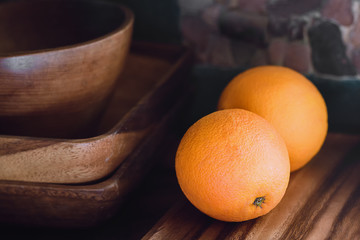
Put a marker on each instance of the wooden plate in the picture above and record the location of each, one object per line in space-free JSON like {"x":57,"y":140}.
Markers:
{"x":38,"y":175}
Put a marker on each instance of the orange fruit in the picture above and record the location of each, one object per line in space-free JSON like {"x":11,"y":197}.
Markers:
{"x":233,"y":165}
{"x":289,"y":101}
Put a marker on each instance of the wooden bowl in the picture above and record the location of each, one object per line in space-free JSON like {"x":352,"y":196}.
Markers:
{"x":59,"y":62}
{"x":135,"y":112}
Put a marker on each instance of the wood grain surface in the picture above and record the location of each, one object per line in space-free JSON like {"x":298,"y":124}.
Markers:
{"x":321,"y":202}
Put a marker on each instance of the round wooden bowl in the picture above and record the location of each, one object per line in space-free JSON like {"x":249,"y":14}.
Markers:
{"x":59,"y":61}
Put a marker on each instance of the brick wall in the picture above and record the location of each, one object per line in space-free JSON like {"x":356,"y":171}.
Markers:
{"x":315,"y":37}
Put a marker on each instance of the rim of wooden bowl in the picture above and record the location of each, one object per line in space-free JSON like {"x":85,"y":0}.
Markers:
{"x":123,"y":26}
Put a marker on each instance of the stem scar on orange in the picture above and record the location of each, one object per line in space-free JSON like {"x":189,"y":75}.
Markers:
{"x":233,"y":165}
{"x":289,"y":101}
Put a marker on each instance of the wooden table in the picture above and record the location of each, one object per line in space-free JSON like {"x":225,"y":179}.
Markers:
{"x":322,"y":202}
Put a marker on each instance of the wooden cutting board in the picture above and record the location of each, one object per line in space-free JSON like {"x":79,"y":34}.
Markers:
{"x":321,"y":202}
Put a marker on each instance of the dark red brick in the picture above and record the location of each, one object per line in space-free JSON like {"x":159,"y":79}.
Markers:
{"x":244,"y":26}
{"x":289,"y":8}
{"x":298,"y":57}
{"x":259,"y":58}
{"x":277,"y":50}
{"x":253,"y":6}
{"x":211,"y":15}
{"x":354,"y":35}
{"x":219,"y":52}
{"x":339,"y":10}
{"x":328,"y":50}
{"x":195,"y":31}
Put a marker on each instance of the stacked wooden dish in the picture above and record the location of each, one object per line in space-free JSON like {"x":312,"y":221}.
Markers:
{"x":47,"y":179}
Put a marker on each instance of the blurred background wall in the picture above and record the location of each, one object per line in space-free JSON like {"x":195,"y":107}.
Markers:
{"x":320,"y":37}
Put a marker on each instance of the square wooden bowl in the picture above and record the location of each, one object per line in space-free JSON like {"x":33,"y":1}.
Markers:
{"x":35,"y":189}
